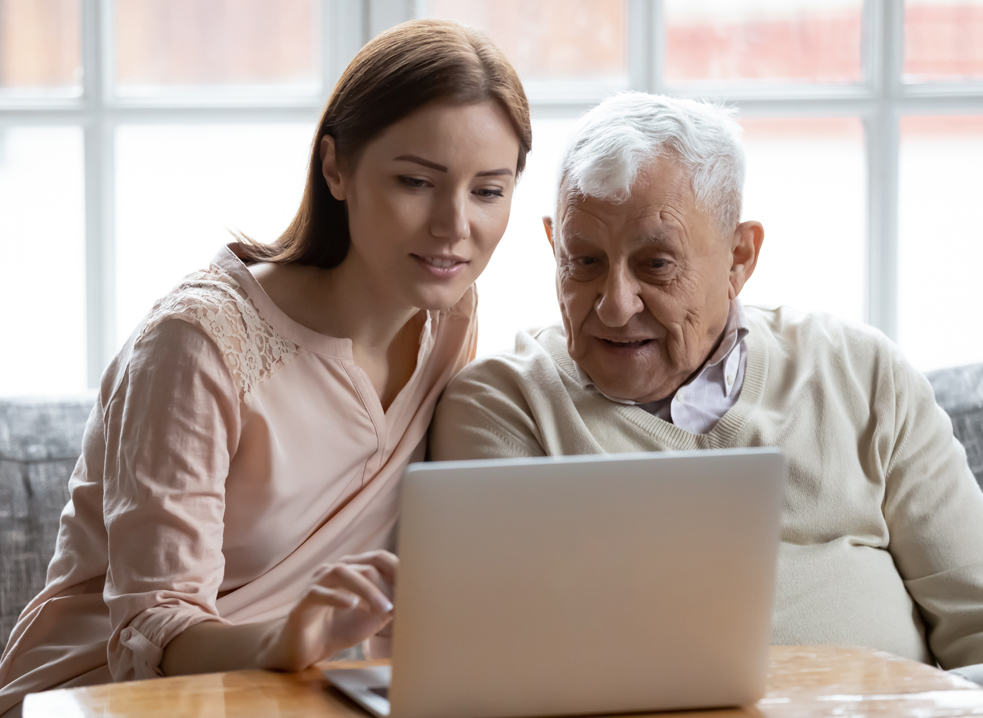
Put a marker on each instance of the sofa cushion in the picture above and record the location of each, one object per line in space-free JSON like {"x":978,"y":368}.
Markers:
{"x":41,"y":429}
{"x":40,"y":441}
{"x":959,"y":391}
{"x":31,"y":500}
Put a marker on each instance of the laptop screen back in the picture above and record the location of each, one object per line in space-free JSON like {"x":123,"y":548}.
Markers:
{"x":580,"y":585}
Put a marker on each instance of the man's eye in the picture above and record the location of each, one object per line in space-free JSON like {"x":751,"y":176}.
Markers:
{"x":584,"y":261}
{"x":658,"y":264}
{"x":414,"y":182}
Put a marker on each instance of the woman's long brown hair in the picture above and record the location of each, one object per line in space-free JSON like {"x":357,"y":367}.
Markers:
{"x":398,"y":72}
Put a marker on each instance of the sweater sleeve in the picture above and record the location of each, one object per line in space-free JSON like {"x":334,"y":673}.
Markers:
{"x":934,"y":511}
{"x":172,"y":426}
{"x":481,"y":415}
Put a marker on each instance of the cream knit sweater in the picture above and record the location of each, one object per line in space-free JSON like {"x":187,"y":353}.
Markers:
{"x":882,"y":533}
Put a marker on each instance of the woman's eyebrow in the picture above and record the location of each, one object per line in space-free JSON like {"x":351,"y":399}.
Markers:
{"x":421,"y":161}
{"x":492,"y":173}
{"x":441,"y":168}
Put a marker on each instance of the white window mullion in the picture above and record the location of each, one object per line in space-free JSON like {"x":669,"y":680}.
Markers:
{"x":99,"y":269}
{"x":344,"y":29}
{"x":882,"y":134}
{"x":384,"y":14}
{"x":329,"y":31}
{"x":644,"y":39}
{"x":658,"y":39}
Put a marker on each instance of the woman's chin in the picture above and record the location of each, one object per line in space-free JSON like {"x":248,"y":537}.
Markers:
{"x":437,"y":299}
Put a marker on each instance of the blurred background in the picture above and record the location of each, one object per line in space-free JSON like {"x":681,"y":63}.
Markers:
{"x":135,"y":133}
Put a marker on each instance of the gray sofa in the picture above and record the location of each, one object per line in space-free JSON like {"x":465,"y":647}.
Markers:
{"x":40,"y":441}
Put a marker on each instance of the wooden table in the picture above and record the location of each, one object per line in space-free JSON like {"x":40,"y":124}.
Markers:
{"x":802,"y":682}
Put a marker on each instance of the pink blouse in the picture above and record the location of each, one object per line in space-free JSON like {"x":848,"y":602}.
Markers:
{"x":231,"y":452}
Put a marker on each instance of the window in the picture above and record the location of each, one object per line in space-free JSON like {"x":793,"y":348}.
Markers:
{"x":830,"y":97}
{"x":134,"y":133}
{"x":940,"y":240}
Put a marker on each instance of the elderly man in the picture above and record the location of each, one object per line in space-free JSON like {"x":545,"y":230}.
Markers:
{"x":882,"y":536}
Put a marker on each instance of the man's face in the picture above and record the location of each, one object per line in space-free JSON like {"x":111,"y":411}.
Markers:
{"x":645,"y":286}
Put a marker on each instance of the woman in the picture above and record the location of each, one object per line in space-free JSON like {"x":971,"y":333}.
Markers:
{"x":237,"y":481}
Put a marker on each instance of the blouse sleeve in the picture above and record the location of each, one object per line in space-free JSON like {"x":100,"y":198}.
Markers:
{"x":172,"y":426}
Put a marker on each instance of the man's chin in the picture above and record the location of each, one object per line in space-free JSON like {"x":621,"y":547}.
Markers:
{"x":617,"y":388}
{"x":627,"y":380}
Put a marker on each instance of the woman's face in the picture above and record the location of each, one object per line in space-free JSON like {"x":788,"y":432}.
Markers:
{"x":428,"y":201}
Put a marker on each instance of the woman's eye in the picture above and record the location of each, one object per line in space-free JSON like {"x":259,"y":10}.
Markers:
{"x":489,"y":192}
{"x":414,"y":182}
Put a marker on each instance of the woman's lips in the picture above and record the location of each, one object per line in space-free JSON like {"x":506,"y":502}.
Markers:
{"x":441,"y":267}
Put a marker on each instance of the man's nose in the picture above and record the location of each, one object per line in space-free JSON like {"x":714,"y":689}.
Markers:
{"x":620,"y":299}
{"x":449,"y":219}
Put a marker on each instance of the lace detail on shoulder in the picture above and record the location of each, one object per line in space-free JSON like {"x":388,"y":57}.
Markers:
{"x":214,"y":301}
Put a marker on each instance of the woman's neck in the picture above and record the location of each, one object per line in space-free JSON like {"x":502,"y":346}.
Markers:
{"x":359,"y":308}
{"x":340,"y":302}
{"x":344,"y":302}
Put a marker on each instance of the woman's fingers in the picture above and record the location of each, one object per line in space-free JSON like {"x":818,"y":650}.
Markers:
{"x":337,"y":598}
{"x":384,"y":562}
{"x":353,"y":579}
{"x":375,"y":576}
{"x":358,"y":589}
{"x":369,"y":572}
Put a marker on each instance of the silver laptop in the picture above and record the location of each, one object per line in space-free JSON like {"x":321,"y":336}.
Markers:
{"x":577,"y":585}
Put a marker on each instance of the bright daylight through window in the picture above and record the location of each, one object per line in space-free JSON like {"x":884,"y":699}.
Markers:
{"x":135,"y":133}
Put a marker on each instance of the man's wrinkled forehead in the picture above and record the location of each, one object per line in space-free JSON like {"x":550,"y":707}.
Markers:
{"x":643,"y":202}
{"x":569,"y":197}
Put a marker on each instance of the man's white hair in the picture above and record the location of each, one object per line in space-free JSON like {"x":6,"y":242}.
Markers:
{"x":624,"y":133}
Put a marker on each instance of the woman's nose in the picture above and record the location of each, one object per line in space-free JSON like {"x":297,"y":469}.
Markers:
{"x":620,"y":298}
{"x":450,"y":219}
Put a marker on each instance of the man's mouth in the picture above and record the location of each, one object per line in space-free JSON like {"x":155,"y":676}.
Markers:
{"x":625,"y":343}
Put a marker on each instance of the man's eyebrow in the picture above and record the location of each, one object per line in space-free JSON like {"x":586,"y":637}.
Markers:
{"x":660,"y":239}
{"x":575,"y":237}
{"x":440,"y":168}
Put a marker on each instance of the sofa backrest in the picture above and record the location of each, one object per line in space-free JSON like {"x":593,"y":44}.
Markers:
{"x":959,"y":391}
{"x":40,"y":441}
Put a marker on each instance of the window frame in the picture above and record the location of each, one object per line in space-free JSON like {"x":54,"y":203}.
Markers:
{"x":345,"y":26}
{"x":880,"y":101}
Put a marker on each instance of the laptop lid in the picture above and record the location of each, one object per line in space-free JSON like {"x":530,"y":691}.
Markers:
{"x":588,"y":584}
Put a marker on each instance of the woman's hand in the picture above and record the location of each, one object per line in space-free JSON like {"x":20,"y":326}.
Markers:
{"x":351,"y":600}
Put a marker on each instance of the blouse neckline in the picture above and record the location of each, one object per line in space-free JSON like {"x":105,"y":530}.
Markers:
{"x":229,"y":260}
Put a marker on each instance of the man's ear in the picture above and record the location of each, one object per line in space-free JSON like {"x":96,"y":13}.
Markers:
{"x":331,"y":170}
{"x":548,"y":226}
{"x":747,"y":246}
